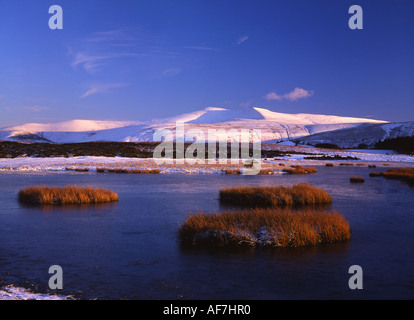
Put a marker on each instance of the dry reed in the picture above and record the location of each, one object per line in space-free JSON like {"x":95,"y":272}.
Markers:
{"x":270,"y":196}
{"x":355,"y":179}
{"x":404,"y":174}
{"x":266,"y":227}
{"x":232,"y":171}
{"x":300,"y":170}
{"x":120,"y":170}
{"x":375,"y":174}
{"x":42,"y":195}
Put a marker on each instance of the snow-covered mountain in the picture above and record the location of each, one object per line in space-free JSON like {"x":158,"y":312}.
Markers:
{"x":274,"y":127}
{"x":365,"y":134}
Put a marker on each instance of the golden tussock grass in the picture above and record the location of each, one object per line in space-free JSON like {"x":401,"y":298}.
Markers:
{"x":375,"y":174}
{"x":232,"y":171}
{"x":120,"y":170}
{"x":150,"y":171}
{"x":267,"y":171}
{"x":355,"y":179}
{"x":77,"y":169}
{"x":404,"y":174}
{"x":300,"y":170}
{"x":43,"y":195}
{"x":346,"y":164}
{"x":270,"y":196}
{"x":266,"y":227}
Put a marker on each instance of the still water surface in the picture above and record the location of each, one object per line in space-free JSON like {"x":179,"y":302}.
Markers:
{"x":130,"y":249}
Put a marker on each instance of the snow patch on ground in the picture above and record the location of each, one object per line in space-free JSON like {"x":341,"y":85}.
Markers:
{"x":12,"y":292}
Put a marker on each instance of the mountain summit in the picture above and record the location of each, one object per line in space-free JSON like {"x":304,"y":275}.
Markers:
{"x":274,"y":127}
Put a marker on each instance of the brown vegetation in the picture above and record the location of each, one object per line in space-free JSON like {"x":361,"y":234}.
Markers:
{"x":232,"y":171}
{"x":266,"y":227}
{"x":300,"y":170}
{"x":120,"y":170}
{"x":355,"y":179}
{"x":375,"y":174}
{"x":404,"y":174}
{"x":83,"y":169}
{"x":43,"y":195}
{"x":329,"y":164}
{"x":270,"y":196}
{"x":267,"y":171}
{"x":11,"y":149}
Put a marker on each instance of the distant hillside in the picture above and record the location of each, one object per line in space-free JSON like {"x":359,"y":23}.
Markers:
{"x":274,"y":126}
{"x":401,"y":144}
{"x":367,"y":134}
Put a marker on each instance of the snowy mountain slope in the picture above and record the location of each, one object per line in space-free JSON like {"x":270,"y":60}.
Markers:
{"x":273,"y":126}
{"x":71,"y":126}
{"x":367,"y":133}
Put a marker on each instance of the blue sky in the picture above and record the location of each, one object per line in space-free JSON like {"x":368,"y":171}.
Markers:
{"x":143,"y":59}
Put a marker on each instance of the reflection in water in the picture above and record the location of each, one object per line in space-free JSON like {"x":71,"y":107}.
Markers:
{"x":83,"y":207}
{"x":275,"y":252}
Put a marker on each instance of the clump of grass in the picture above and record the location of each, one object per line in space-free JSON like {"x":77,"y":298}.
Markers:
{"x":372,"y":166}
{"x":329,"y":164}
{"x":404,"y":174}
{"x":152,"y":171}
{"x":43,"y":195}
{"x":346,"y":164}
{"x":232,"y":171}
{"x":266,"y":227}
{"x":300,"y":170}
{"x":271,"y":196}
{"x":266,"y":171}
{"x":77,"y":169}
{"x":120,"y":170}
{"x":375,"y":174}
{"x":355,"y":179}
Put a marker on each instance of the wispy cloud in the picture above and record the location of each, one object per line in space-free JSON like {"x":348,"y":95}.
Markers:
{"x":201,"y":48}
{"x":170,"y":72}
{"x":296,"y":94}
{"x":89,"y":62}
{"x":98,"y":49}
{"x":273,"y":96}
{"x":36,"y":108}
{"x":92,"y":62}
{"x":242,"y":39}
{"x":118,"y":38}
{"x":101,"y":88}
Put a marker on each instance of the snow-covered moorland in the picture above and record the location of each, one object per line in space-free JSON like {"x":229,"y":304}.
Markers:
{"x":291,"y":155}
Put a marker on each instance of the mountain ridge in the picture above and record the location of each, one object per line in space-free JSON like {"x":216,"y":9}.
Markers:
{"x":274,"y":126}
